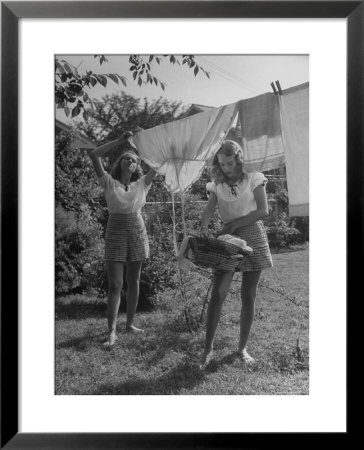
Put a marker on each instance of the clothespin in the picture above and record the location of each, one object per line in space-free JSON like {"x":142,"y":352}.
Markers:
{"x":274,"y":88}
{"x":279,"y":87}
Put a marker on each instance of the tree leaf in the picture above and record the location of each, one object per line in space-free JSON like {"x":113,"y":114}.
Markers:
{"x":67,"y":110}
{"x":140,"y":81}
{"x":59,"y":67}
{"x":102,"y":79}
{"x":135,"y":74}
{"x":195,"y":70}
{"x":76,"y":111}
{"x":67,"y":68}
{"x":113,"y":77}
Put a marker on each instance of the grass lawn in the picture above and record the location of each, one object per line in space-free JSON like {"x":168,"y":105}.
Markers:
{"x":163,"y":360}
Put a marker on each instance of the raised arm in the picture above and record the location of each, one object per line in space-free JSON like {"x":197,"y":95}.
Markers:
{"x":100,"y":151}
{"x":149,"y":176}
{"x":208,"y":212}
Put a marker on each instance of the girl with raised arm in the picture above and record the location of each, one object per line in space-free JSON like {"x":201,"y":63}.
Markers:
{"x":126,"y":239}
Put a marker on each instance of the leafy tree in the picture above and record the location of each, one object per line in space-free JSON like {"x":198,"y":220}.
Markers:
{"x":76,"y":185}
{"x":117,"y":113}
{"x":70,"y":94}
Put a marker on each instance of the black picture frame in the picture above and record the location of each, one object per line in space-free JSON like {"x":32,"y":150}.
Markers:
{"x":11,"y":13}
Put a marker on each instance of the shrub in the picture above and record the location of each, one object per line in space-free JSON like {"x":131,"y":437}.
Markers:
{"x":302,"y":225}
{"x":280,"y":233}
{"x":79,"y":251}
{"x":161,"y":269}
{"x":283,"y":230}
{"x":75,"y":179}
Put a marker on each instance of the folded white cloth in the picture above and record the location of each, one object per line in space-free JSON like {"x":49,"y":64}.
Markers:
{"x":236,"y":241}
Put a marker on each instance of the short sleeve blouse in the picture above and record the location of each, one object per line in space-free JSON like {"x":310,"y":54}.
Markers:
{"x":233,"y":206}
{"x":120,"y":200}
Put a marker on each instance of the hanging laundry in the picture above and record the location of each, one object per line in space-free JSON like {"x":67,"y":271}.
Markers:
{"x":272,"y":130}
{"x":260,"y":133}
{"x":179,"y":150}
{"x":294,"y":105}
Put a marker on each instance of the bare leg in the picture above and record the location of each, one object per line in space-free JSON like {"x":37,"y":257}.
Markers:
{"x":220,"y":289}
{"x":248,"y":294}
{"x":132,"y":296}
{"x":115,"y":272}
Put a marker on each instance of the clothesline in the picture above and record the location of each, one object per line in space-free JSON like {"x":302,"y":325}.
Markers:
{"x":273,"y":133}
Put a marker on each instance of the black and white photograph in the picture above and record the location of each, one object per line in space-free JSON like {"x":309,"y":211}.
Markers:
{"x":181,"y":224}
{"x":181,"y":188}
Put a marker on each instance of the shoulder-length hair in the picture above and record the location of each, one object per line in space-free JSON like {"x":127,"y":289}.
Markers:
{"x":127,"y":149}
{"x":227,"y":148}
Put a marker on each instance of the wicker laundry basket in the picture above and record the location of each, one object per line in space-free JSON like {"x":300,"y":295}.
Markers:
{"x":216,"y":253}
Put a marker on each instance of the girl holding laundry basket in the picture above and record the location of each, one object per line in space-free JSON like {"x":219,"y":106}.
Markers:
{"x":242,"y":204}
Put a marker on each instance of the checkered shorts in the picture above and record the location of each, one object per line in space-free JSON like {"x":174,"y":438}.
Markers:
{"x":256,"y":237}
{"x":126,"y":238}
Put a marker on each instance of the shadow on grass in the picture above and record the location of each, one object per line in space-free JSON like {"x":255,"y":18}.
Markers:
{"x":185,"y":375}
{"x":78,"y":310}
{"x":83,"y":309}
{"x":82,"y":343}
{"x":218,"y":363}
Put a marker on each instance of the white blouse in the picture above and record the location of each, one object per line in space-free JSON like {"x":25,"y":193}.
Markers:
{"x":234,"y":206}
{"x":121,"y":201}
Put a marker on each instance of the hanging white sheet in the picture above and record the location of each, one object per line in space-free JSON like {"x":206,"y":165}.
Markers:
{"x":272,"y":129}
{"x":295,"y":130}
{"x":179,"y":150}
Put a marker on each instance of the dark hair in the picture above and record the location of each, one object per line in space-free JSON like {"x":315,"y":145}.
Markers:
{"x":227,"y":148}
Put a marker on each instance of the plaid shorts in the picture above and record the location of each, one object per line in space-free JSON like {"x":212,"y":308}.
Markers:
{"x":126,"y":238}
{"x":256,"y":237}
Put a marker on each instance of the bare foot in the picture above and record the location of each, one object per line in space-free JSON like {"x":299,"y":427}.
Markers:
{"x":205,"y":359}
{"x":244,"y":355}
{"x":133,"y":329}
{"x":111,"y":340}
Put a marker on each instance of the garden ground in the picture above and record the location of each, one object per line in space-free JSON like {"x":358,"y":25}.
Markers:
{"x":163,"y":360}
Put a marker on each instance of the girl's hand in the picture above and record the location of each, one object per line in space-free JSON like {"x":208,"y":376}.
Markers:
{"x":204,"y":231}
{"x":124,"y":137}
